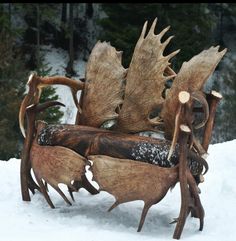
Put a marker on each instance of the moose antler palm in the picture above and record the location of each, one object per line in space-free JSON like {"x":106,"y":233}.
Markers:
{"x":127,"y":99}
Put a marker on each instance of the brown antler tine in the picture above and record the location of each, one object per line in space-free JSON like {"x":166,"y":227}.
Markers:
{"x":62,"y":194}
{"x":44,"y":106}
{"x":61,"y":80}
{"x":43,"y":190}
{"x":198,"y":158}
{"x":114,"y":205}
{"x":74,"y":95}
{"x":143,"y":216}
{"x":198,"y":95}
{"x":36,"y":83}
{"x":194,"y":191}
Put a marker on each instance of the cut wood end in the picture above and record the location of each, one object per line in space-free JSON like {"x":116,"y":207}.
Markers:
{"x":184,"y":97}
{"x":202,"y":179}
{"x":185,"y":128}
{"x":216,"y":94}
{"x":204,"y":156}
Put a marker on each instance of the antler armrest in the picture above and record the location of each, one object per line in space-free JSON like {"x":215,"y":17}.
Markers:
{"x":213,"y":101}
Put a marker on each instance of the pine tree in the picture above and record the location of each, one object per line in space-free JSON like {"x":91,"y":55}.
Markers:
{"x":40,"y":14}
{"x":53,"y":114}
{"x":13,"y":77}
{"x":12,"y":72}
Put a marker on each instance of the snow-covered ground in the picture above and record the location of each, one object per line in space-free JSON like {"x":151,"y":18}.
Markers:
{"x":57,"y":59}
{"x":88,"y":220}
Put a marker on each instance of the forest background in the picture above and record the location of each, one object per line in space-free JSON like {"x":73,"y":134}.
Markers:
{"x":25,"y":28}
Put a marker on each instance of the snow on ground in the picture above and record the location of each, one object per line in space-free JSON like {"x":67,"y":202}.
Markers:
{"x":57,"y":59}
{"x":89,"y":220}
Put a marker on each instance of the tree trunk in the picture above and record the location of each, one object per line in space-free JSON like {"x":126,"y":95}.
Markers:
{"x":64,"y":13}
{"x":37,"y":36}
{"x":69,"y":69}
{"x":89,"y":10}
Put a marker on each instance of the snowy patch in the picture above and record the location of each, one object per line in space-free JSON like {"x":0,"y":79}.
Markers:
{"x":88,"y":218}
{"x":57,"y":59}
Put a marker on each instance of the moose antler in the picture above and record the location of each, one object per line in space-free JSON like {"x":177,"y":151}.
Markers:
{"x":147,"y":74}
{"x":27,"y":181}
{"x":55,"y":164}
{"x":191,"y":77}
{"x":104,"y":85}
{"x":36,"y":83}
{"x":122,"y":178}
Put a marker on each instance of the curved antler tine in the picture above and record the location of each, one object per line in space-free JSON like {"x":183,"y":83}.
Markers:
{"x":27,"y":99}
{"x":60,"y":80}
{"x":164,"y":44}
{"x":74,"y":95}
{"x":200,"y":159}
{"x":197,"y":95}
{"x":152,"y":29}
{"x":223,"y":52}
{"x":32,"y":97}
{"x":161,"y":34}
{"x":42,"y":107}
{"x":144,"y":30}
{"x":172,"y":54}
{"x":169,"y":71}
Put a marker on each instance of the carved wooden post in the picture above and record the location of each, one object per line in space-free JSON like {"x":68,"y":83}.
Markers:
{"x":213,"y":100}
{"x":183,"y":142}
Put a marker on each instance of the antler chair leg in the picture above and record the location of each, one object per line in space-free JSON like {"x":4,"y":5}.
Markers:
{"x":27,"y":181}
{"x":185,"y":195}
{"x":198,"y":209}
{"x":25,"y":175}
{"x":84,"y":183}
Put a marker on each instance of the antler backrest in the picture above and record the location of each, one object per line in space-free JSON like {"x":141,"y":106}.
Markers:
{"x":147,"y":74}
{"x":104,"y":86}
{"x":191,"y":77}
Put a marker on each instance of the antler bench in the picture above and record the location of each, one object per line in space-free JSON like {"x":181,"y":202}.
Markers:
{"x":115,"y":105}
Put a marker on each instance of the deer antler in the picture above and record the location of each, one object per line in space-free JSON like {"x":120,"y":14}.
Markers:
{"x":104,"y":86}
{"x":36,"y":83}
{"x":191,"y":77}
{"x":147,"y":74}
